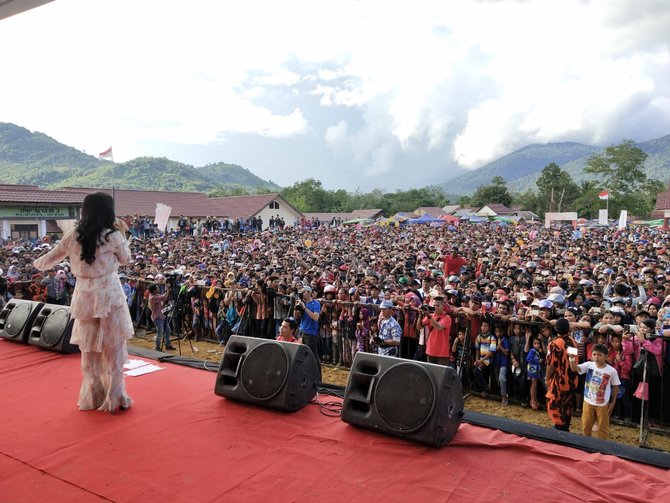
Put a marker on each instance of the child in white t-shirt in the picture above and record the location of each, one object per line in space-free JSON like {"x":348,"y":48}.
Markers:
{"x":601,"y":387}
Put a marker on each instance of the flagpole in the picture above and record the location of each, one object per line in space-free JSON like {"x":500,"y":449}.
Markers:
{"x":109,"y":154}
{"x":111,"y":158}
{"x":607,"y":205}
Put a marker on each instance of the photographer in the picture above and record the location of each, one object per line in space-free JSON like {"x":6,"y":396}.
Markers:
{"x":156,"y":302}
{"x":438,"y":346}
{"x":309,"y":320}
{"x":649,"y":346}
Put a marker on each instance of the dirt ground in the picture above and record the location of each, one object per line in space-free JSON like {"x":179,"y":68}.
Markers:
{"x":338,"y":376}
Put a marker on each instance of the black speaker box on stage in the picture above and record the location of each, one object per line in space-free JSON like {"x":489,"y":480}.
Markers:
{"x":417,"y":401}
{"x":52,"y":329}
{"x":16,"y":318}
{"x":279,"y":375}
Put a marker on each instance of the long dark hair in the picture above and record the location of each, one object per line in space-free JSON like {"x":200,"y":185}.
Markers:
{"x":97,"y":215}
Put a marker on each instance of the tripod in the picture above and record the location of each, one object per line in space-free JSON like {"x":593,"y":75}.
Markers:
{"x":174,"y":318}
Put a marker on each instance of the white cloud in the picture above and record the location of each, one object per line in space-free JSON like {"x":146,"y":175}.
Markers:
{"x":335,"y":135}
{"x":280,"y":78}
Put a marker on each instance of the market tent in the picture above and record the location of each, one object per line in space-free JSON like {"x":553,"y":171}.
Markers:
{"x":425,"y":219}
{"x":449,"y":218}
{"x":506,"y":218}
{"x":388,"y":221}
{"x":474,"y":218}
{"x":402,"y":216}
{"x":362,"y":221}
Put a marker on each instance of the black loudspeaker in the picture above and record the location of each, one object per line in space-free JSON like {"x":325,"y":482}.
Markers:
{"x":16,"y":318}
{"x":52,"y":329}
{"x":280,"y":375}
{"x":417,"y":401}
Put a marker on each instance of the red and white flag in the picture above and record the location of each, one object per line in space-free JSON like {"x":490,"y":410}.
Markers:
{"x":107,"y":154}
{"x":604,"y":195}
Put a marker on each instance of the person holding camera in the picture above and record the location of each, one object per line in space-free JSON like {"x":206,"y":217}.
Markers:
{"x":309,"y":320}
{"x":647,"y":341}
{"x":438,"y":346}
{"x":156,"y":303}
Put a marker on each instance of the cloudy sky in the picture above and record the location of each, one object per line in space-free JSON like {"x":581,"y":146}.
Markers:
{"x":356,"y":93}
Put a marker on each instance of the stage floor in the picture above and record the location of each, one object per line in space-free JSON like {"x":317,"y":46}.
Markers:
{"x":181,"y":442}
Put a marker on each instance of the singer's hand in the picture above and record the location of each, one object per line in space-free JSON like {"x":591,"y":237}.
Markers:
{"x":121,"y":226}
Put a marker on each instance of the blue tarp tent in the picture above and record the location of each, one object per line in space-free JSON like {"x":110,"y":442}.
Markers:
{"x":425,"y":219}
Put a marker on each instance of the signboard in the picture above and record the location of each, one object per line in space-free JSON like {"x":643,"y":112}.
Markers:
{"x":162,"y":216}
{"x":602,"y":217}
{"x":622,"y":219}
{"x":36,"y":212}
{"x":570,"y":216}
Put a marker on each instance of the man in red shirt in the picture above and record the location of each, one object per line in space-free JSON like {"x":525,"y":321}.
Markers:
{"x":453,"y":263}
{"x":438,"y":347}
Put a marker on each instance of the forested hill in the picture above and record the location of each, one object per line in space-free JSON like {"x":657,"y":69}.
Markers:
{"x":33,"y":158}
{"x":521,"y":168}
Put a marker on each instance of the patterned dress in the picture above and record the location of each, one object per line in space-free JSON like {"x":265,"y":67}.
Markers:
{"x":102,"y":323}
{"x":563,"y":384}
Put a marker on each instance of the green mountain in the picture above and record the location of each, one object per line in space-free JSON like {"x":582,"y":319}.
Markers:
{"x":234,"y":175}
{"x":36,"y":159}
{"x":526,"y":162}
{"x":522,"y":168}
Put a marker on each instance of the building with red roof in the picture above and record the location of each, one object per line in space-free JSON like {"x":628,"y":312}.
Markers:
{"x":30,"y":212}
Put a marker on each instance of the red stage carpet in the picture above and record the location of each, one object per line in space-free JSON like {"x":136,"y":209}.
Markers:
{"x":183,"y":443}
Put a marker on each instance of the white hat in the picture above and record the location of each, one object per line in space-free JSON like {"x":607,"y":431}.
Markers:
{"x":556,"y":298}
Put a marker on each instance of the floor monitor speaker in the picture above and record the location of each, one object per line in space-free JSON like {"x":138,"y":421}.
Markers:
{"x":16,"y":318}
{"x":52,"y":329}
{"x":417,"y":401}
{"x":279,"y":375}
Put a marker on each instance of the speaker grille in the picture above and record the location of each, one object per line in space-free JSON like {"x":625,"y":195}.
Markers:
{"x":54,"y":326}
{"x":264,"y":371}
{"x":17,"y":318}
{"x":405,"y":397}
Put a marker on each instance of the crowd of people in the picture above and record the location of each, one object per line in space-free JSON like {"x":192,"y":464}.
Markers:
{"x":490,"y":299}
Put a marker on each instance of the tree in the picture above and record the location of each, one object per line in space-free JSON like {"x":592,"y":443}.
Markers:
{"x":230,"y":191}
{"x":307,"y":195}
{"x":465,"y":201}
{"x":310,"y":196}
{"x":621,"y":173}
{"x":496,"y":192}
{"x":528,"y":201}
{"x":556,"y":190}
{"x":587,"y":203}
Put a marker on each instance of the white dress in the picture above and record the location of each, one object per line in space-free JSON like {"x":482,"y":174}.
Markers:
{"x":102,"y":323}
